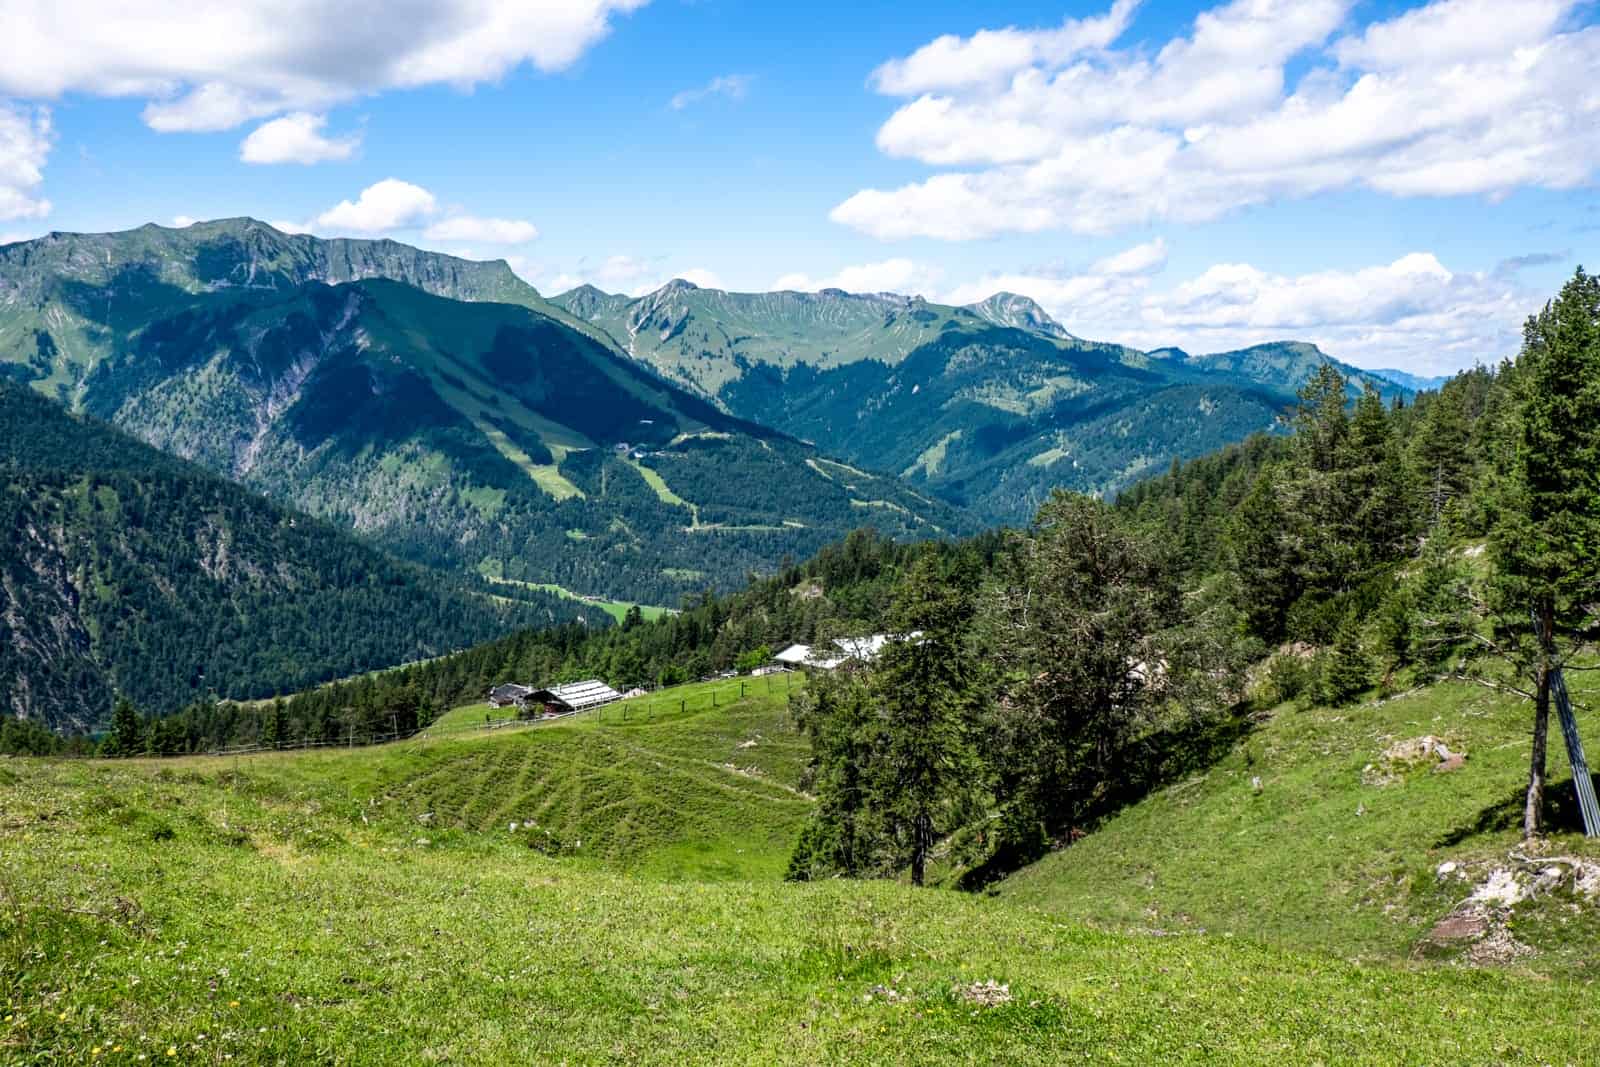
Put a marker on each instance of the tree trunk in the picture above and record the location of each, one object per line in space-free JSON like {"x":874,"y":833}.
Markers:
{"x":919,"y":850}
{"x":1533,"y":813}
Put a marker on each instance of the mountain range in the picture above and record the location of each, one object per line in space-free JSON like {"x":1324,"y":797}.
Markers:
{"x":437,"y":406}
{"x":989,"y":406}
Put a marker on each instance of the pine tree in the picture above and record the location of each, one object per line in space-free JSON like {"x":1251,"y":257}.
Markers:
{"x":1259,"y":554}
{"x":126,"y":736}
{"x":1376,"y":484}
{"x":1347,"y":672}
{"x":275,"y":726}
{"x":1082,"y":629}
{"x":924,"y":687}
{"x":1547,"y":538}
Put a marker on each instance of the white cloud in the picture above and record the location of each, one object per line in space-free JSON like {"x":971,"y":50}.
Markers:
{"x":214,"y":66}
{"x":704,"y":277}
{"x":731,"y":86}
{"x":990,"y":56}
{"x":625,"y":274}
{"x":183,"y":222}
{"x":904,"y":276}
{"x":25,"y":139}
{"x":387,"y":205}
{"x":289,"y":226}
{"x":1455,"y":97}
{"x":296,"y":138}
{"x":1147,"y":258}
{"x":482,"y":230}
{"x":1413,"y":313}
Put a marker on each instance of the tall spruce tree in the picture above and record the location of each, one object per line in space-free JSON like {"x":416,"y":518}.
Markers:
{"x":1547,"y":537}
{"x":925,"y":689}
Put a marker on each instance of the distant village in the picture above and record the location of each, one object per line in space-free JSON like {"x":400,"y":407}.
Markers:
{"x":569,"y":698}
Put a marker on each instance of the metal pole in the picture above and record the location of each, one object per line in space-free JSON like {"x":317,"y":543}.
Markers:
{"x":1581,"y":780}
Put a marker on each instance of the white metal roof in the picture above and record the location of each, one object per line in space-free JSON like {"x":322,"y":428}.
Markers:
{"x":580,"y":695}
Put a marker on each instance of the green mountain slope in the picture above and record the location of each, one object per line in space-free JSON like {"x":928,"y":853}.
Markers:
{"x":463,"y":424}
{"x":127,"y":571}
{"x":990,"y":405}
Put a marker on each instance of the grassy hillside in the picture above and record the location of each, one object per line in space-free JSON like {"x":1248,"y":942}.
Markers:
{"x":376,"y":905}
{"x":1307,"y":835}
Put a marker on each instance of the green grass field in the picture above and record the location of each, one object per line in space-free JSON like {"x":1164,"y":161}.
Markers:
{"x":617,"y":609}
{"x":1337,"y":850}
{"x":607,"y":891}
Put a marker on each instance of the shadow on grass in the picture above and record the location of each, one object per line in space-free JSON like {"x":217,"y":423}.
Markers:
{"x":1146,"y":765}
{"x":1561,"y":815}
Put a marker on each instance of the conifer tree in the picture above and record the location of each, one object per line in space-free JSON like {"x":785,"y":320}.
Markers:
{"x":1080,"y":628}
{"x":1547,"y":538}
{"x":126,"y":736}
{"x":1347,"y":672}
{"x":924,"y":687}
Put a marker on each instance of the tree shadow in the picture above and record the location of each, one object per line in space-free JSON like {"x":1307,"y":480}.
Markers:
{"x":1150,"y":763}
{"x":1561,"y":814}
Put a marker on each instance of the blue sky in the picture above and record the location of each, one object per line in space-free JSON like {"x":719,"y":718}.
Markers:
{"x":1398,"y":182}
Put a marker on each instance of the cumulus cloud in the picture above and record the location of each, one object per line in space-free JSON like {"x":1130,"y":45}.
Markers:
{"x":1051,"y":129}
{"x":25,"y":139}
{"x":296,"y":138}
{"x":905,"y":276}
{"x":472,"y":228}
{"x":990,"y":56}
{"x":383,"y":206}
{"x":731,"y":86}
{"x":214,"y":66}
{"x":1147,"y":258}
{"x":1413,"y":313}
{"x":632,"y":275}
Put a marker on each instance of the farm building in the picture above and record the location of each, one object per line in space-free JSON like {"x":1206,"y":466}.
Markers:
{"x":509,"y":694}
{"x":845,"y":650}
{"x":573,"y":696}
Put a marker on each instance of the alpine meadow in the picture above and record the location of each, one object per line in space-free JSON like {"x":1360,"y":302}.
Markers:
{"x":621,"y":532}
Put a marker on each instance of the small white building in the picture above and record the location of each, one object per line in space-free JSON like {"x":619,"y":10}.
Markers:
{"x":860,"y":650}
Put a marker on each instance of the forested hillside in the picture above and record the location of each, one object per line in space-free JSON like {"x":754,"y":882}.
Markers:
{"x":991,"y":406}
{"x":128,"y":572}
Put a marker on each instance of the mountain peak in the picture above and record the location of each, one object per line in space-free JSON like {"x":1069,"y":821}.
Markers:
{"x":1019,"y":312}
